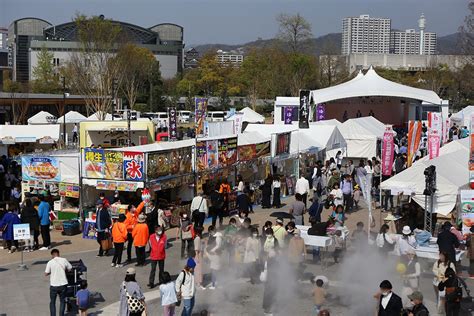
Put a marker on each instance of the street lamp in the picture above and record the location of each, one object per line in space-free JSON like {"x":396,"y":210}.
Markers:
{"x":63,"y":79}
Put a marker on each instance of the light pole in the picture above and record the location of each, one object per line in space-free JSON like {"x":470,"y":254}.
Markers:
{"x":114,"y":95}
{"x":63,"y":79}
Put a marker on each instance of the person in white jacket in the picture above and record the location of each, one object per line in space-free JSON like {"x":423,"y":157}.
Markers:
{"x":213,"y":252}
{"x":186,"y":288}
{"x":253,"y":247}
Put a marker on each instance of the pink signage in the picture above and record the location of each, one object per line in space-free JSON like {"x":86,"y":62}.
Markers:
{"x":433,"y":143}
{"x":387,"y":151}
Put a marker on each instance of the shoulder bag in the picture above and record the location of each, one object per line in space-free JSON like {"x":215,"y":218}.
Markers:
{"x":134,"y":304}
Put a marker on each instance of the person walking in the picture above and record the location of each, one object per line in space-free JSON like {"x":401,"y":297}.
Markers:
{"x":225,"y":190}
{"x":411,"y":277}
{"x":252,"y":252}
{"x":29,"y":215}
{"x":185,"y":233}
{"x":185,"y":287}
{"x":470,"y":245}
{"x":56,"y":270}
{"x":439,"y":271}
{"x":199,"y":210}
{"x":390,"y":304}
{"x":102,"y":224}
{"x":140,"y":238}
{"x":418,"y":308}
{"x":243,"y":202}
{"x":6,"y":223}
{"x":198,"y":257}
{"x":43,"y":213}
{"x":297,"y":209}
{"x":279,"y":232}
{"x":276,"y":184}
{"x":361,"y":174}
{"x":132,"y":300}
{"x":383,"y":241}
{"x":448,"y":242}
{"x":406,"y":241}
{"x":158,"y":241}
{"x":168,"y":295}
{"x":302,"y":187}
{"x":119,"y":236}
{"x":217,"y":203}
{"x":453,"y":292}
{"x":297,"y":253}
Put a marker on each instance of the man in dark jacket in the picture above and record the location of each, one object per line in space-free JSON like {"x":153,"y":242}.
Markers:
{"x":151,"y":217}
{"x":103,"y":223}
{"x":390,"y":304}
{"x":418,"y":308}
{"x":448,"y":242}
{"x":217,"y":203}
{"x":30,"y":216}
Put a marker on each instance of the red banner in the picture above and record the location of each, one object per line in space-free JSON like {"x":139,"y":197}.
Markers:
{"x":414,"y":137}
{"x":387,"y":151}
{"x":433,"y":143}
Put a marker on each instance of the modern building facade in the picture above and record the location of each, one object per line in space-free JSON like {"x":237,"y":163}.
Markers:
{"x":233,"y":57}
{"x":408,"y":42}
{"x":364,"y":34}
{"x":3,"y":37}
{"x":28,"y":36}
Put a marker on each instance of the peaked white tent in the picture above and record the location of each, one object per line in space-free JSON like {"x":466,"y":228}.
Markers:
{"x":41,"y":118}
{"x":371,"y":84}
{"x":97,"y":116}
{"x":463,"y":117}
{"x":250,"y":116}
{"x":331,"y":122}
{"x":72,"y":117}
{"x":452,"y":174}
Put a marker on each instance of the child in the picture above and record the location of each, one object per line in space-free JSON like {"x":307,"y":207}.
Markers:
{"x":356,"y":196}
{"x":83,"y":298}
{"x":319,"y":295}
{"x":338,"y":244}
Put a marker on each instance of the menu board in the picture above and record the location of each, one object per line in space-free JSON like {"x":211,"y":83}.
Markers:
{"x":253,"y":151}
{"x":69,"y":190}
{"x":94,"y":163}
{"x":114,"y":165}
{"x":175,"y":162}
{"x":40,"y":168}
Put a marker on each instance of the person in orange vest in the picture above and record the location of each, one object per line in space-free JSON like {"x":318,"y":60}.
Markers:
{"x":130,"y":222}
{"x":225,"y":191}
{"x":140,"y":236}
{"x":119,"y":236}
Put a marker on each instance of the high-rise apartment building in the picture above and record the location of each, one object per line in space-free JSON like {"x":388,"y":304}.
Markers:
{"x":412,"y":42}
{"x":3,"y":37}
{"x":364,"y":34}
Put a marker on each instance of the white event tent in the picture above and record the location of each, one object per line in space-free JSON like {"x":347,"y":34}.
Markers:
{"x":452,"y":174}
{"x":98,"y":115}
{"x":72,"y":117}
{"x":463,"y":117}
{"x":41,"y":118}
{"x":249,"y":116}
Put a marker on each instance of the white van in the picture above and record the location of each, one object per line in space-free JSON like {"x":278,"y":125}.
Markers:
{"x":161,"y":119}
{"x":185,"y":116}
{"x":216,"y":116}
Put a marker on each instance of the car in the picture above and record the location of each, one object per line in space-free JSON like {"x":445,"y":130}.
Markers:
{"x":215,"y":116}
{"x":185,"y":116}
{"x":161,"y":119}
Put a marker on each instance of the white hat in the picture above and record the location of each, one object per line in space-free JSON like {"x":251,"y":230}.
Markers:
{"x":406,"y":230}
{"x":131,"y":271}
{"x":141,"y":218}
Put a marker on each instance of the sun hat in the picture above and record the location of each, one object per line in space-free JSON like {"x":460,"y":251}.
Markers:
{"x":141,"y":218}
{"x":417,"y":295}
{"x":279,"y":220}
{"x":130,"y":271}
{"x":406,"y":230}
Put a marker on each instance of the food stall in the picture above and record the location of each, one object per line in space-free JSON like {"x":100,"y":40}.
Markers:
{"x":22,"y":139}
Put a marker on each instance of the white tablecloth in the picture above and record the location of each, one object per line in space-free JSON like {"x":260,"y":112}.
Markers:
{"x":432,"y":251}
{"x":310,"y":240}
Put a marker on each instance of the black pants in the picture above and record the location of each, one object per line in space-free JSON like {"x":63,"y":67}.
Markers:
{"x":45,"y":235}
{"x":11,"y":243}
{"x":118,"y":246}
{"x":55,"y":291}
{"x":452,"y":309}
{"x":276,"y":197}
{"x":129,"y":246}
{"x":347,"y":201}
{"x":305,"y":198}
{"x":161,"y":266}
{"x":216,"y":212}
{"x":101,"y":236}
{"x":36,"y":234}
{"x":189,"y":248}
{"x":199,"y":218}
{"x":140,"y":252}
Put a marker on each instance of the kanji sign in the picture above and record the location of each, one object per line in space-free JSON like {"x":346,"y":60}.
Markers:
{"x":133,"y":166}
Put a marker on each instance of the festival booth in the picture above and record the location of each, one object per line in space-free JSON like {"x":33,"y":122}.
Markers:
{"x":463,"y":117}
{"x":56,"y":173}
{"x":17,"y":139}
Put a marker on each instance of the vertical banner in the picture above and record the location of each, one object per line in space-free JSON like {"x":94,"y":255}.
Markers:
{"x":288,"y":115}
{"x":467,"y":211}
{"x":238,"y":122}
{"x":321,"y":112}
{"x":435,"y":121}
{"x":304,"y":109}
{"x":414,"y":137}
{"x":93,"y":163}
{"x":200,"y":115}
{"x":201,"y":155}
{"x":387,"y":151}
{"x":471,"y":154}
{"x":433,"y":143}
{"x":133,"y":165}
{"x":173,"y":124}
{"x":446,"y":131}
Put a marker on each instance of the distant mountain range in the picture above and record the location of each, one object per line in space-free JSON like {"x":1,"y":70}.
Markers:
{"x":447,"y":45}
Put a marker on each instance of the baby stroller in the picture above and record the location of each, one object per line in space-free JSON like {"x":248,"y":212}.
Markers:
{"x":74,"y":278}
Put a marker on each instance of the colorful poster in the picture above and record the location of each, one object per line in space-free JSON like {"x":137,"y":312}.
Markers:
{"x":212,"y":154}
{"x":288,"y":115}
{"x":433,"y":143}
{"x":173,"y":124}
{"x":247,"y":152}
{"x":304,"y":109}
{"x":414,"y":137}
{"x":238,"y":123}
{"x":387,"y":151}
{"x":114,"y":165}
{"x":435,"y":121}
{"x":227,"y":151}
{"x":133,"y":166}
{"x":283,"y":143}
{"x":69,"y":190}
{"x":40,"y":168}
{"x":201,"y":156}
{"x":467,"y":210}
{"x":158,"y":165}
{"x":94,"y":163}
{"x":200,"y":115}
{"x":321,"y":112}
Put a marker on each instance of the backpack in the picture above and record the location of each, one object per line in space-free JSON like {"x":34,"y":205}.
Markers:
{"x":454,"y":293}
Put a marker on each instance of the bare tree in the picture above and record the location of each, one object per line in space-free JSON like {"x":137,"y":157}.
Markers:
{"x":467,"y":33}
{"x":93,"y":68}
{"x":294,"y":30}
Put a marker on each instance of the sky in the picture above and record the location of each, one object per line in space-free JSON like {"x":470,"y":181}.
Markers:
{"x":241,"y":21}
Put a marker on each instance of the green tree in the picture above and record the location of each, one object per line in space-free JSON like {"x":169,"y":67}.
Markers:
{"x":46,"y":78}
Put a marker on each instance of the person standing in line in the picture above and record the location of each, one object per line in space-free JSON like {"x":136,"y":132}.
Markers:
{"x":140,"y":239}
{"x":119,"y":236}
{"x":168,"y":295}
{"x":158,"y":241}
{"x":103,"y":223}
{"x":185,"y":287}
{"x":130,"y":287}
{"x":225,"y":191}
{"x":198,"y":257}
{"x":56,"y":269}
{"x":29,"y":215}
{"x":319,"y":295}
{"x":131,"y":220}
{"x":43,"y":213}
{"x":302,"y":187}
{"x":276,"y":191}
{"x":8,"y":220}
{"x":217,"y":203}
{"x":347,"y":192}
{"x":199,"y":210}
{"x":298,"y":209}
{"x":390,"y":304}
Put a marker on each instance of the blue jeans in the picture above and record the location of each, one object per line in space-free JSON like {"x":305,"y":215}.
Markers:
{"x":188,"y":305}
{"x":53,"y":292}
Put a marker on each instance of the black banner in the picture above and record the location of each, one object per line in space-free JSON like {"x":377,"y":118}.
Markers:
{"x":304,"y":109}
{"x":172,"y":126}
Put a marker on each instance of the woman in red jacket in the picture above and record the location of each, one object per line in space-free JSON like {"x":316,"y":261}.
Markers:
{"x":157,"y":255}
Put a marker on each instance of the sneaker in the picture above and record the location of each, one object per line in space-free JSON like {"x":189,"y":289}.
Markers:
{"x":26,"y":250}
{"x":44,"y":248}
{"x":150,"y":286}
{"x":112,"y":264}
{"x":212,"y":287}
{"x":119,"y":265}
{"x":99,"y":256}
{"x":10,"y":251}
{"x":201,"y":287}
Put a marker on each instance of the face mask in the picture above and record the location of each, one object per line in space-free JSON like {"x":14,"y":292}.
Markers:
{"x":185,"y":216}
{"x":385,"y":293}
{"x":159,"y":232}
{"x":255,"y":235}
{"x":101,"y":197}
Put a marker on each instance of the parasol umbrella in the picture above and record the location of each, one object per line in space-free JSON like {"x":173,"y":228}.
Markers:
{"x":282,"y":215}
